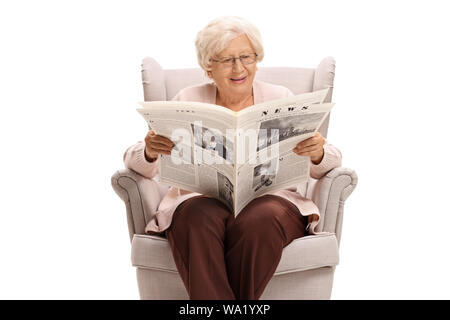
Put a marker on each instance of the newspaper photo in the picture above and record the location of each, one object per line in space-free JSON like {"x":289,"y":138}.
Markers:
{"x":236,"y":156}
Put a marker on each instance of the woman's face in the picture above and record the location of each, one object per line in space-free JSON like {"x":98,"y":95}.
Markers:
{"x":224,"y":75}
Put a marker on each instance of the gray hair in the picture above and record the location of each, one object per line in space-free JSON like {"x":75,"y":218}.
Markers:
{"x":216,"y":36}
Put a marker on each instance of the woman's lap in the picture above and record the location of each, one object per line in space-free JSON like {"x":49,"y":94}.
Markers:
{"x":264,"y":210}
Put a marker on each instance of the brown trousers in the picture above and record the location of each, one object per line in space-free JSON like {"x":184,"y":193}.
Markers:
{"x":222,"y":257}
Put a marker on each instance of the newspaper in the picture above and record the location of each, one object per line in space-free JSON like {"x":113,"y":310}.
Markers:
{"x":236,"y":156}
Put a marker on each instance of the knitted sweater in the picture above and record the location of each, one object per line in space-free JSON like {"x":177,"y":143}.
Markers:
{"x":134,"y":159}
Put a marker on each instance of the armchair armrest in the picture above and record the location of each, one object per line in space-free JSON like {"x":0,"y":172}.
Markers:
{"x":329,"y":194}
{"x":141,"y":196}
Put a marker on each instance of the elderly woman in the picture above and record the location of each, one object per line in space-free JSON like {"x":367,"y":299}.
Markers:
{"x":217,"y":255}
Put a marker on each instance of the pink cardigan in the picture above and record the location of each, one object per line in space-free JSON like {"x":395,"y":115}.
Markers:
{"x":134,"y":159}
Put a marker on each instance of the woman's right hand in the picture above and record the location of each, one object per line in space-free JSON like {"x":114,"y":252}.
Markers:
{"x":156,"y":145}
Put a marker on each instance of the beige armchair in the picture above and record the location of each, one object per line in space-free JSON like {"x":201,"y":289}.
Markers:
{"x":307,"y":264}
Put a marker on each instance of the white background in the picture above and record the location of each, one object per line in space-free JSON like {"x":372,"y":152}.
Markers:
{"x":69,"y":85}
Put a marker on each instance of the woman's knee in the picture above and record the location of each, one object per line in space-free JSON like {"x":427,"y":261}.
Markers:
{"x":262,"y":210}
{"x":200,"y":211}
{"x":260,"y":218}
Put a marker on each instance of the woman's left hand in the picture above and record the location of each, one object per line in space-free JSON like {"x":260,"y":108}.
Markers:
{"x":312,"y":147}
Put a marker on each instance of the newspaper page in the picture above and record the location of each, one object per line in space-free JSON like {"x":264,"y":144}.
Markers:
{"x":271,"y":164}
{"x":236,"y":156}
{"x":203,"y":158}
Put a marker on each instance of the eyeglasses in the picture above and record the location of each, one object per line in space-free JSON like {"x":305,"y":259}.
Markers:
{"x":247,"y":58}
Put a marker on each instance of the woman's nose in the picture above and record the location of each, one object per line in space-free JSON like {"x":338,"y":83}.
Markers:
{"x":237,"y":65}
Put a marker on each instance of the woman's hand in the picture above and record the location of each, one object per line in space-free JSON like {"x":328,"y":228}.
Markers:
{"x":312,"y":147}
{"x":156,"y":145}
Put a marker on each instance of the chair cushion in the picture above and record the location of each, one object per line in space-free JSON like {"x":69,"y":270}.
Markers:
{"x":298,"y":80}
{"x":153,"y":80}
{"x":310,"y":252}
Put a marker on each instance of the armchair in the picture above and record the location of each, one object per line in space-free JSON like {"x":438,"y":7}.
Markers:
{"x":307,"y":265}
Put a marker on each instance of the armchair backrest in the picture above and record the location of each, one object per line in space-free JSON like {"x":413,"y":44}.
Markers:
{"x":163,"y":84}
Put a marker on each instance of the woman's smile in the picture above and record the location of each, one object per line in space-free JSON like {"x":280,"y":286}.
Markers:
{"x":238,"y":80}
